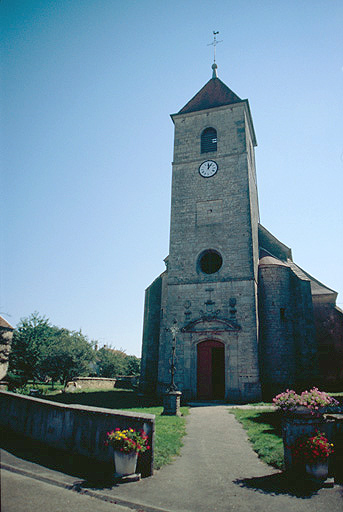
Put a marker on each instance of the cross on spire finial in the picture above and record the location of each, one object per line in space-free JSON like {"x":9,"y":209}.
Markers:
{"x":214,"y":44}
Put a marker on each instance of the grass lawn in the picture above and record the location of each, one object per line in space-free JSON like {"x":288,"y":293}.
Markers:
{"x":264,"y":432}
{"x":169,"y":429}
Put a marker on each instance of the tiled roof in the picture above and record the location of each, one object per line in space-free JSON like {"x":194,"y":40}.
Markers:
{"x":317,"y":288}
{"x":4,"y":323}
{"x":272,"y":245}
{"x":273,"y":252}
{"x":214,"y":94}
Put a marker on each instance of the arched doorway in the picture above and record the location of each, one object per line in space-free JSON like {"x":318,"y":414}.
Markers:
{"x":210,"y":370}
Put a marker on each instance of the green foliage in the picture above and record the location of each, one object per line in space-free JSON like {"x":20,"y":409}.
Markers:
{"x":68,"y":355}
{"x":112,"y":362}
{"x":133,"y":365}
{"x":264,"y":432}
{"x":41,"y":350}
{"x":30,"y":340}
{"x":15,"y":380}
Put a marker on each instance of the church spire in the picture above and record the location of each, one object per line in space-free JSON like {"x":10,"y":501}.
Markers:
{"x":214,"y":44}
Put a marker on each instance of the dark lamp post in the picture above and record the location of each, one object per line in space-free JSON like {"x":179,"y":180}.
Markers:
{"x":174,"y":330}
{"x":171,"y":399}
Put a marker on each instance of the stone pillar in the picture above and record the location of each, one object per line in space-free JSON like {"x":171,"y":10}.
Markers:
{"x":171,"y":403}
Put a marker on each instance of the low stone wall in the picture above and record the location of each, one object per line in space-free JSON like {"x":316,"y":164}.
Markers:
{"x":90,"y":383}
{"x":74,"y":428}
{"x":121,"y":381}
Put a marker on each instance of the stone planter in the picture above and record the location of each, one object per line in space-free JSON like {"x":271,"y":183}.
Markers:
{"x":303,"y":412}
{"x":125,"y":463}
{"x":318,"y":471}
{"x":294,"y":427}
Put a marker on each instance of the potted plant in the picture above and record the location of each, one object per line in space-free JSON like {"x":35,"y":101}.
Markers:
{"x":313,"y":452}
{"x":310,"y":403}
{"x":127,"y":444}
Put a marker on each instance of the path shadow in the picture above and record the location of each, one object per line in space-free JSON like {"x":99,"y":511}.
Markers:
{"x":88,"y":472}
{"x":280,"y":483}
{"x":116,"y":399}
{"x":203,"y":403}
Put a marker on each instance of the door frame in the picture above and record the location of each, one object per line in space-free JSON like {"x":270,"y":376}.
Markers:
{"x":210,"y":343}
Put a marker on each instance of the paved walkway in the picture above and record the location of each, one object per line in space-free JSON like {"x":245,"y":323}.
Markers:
{"x":216,"y":472}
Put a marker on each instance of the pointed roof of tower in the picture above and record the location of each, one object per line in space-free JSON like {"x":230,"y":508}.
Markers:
{"x":214,"y":94}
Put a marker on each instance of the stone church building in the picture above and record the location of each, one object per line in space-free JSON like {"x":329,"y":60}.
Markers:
{"x":245,"y":320}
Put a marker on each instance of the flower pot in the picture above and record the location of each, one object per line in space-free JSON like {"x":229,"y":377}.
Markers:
{"x":125,"y":463}
{"x":318,"y":471}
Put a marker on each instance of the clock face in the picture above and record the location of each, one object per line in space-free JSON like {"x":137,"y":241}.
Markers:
{"x":208,"y":169}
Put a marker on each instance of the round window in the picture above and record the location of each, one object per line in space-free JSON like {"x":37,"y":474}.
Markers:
{"x":210,"y":261}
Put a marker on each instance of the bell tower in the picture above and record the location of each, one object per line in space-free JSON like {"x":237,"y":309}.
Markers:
{"x":209,"y":288}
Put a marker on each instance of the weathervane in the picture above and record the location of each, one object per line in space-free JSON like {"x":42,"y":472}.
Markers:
{"x":214,"y":44}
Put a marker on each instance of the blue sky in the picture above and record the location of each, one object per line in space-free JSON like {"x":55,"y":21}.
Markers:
{"x":87,"y":89}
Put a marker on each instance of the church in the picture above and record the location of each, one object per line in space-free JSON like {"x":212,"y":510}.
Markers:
{"x":243,"y":320}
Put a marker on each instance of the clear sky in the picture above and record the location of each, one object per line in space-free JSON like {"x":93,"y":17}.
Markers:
{"x":87,"y":89}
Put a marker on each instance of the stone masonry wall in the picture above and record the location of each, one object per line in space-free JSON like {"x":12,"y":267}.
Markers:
{"x":287,"y":339}
{"x":151,"y":334}
{"x":219,"y":213}
{"x":74,"y":428}
{"x":90,"y":383}
{"x":6,"y":334}
{"x":277,"y":351}
{"x":241,"y":355}
{"x":306,"y":354}
{"x":329,"y":335}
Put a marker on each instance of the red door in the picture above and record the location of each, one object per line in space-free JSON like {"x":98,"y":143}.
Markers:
{"x":211,"y":370}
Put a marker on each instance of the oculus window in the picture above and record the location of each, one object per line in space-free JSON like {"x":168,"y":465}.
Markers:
{"x":210,"y":261}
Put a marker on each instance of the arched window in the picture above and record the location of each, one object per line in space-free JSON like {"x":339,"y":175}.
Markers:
{"x":209,"y":140}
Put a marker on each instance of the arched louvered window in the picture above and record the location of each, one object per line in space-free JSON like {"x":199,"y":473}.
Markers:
{"x":209,"y":140}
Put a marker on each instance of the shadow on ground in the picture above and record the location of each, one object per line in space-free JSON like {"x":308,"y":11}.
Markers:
{"x":93,"y":474}
{"x":281,"y":483}
{"x":116,"y":399}
{"x":96,"y":474}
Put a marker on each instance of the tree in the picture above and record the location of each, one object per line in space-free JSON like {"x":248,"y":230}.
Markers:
{"x":41,"y":350}
{"x":69,"y":355}
{"x":110,"y":362}
{"x":133,"y":365}
{"x":30,"y":339}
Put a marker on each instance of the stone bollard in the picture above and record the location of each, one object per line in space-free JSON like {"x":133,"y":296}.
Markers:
{"x":171,"y":403}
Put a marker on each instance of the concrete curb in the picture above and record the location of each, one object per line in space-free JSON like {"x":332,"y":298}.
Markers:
{"x":77,"y":488}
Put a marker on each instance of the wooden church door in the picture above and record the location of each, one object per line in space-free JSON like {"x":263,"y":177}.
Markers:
{"x":210,"y":370}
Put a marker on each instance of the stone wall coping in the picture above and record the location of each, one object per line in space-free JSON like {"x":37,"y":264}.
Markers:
{"x":79,"y":407}
{"x":94,"y":378}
